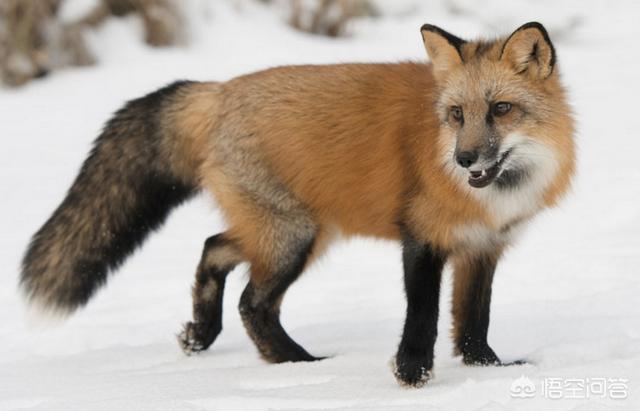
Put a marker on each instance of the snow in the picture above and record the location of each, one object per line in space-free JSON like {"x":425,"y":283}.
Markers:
{"x":565,"y":298}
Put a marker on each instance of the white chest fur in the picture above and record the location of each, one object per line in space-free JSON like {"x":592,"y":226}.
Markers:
{"x":480,"y":237}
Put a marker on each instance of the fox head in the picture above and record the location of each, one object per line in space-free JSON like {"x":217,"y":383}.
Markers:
{"x":504,"y":117}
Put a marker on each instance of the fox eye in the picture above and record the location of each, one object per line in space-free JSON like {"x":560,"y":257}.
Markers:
{"x":456,"y":113}
{"x":501,"y":108}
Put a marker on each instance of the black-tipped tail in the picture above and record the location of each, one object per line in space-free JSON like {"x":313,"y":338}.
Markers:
{"x":125,"y":189}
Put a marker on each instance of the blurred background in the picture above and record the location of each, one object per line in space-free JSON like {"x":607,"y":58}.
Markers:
{"x":39,"y":37}
{"x":565,"y":297}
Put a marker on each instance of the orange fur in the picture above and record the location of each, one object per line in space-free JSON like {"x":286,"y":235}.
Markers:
{"x":360,"y":146}
{"x":353,"y":153}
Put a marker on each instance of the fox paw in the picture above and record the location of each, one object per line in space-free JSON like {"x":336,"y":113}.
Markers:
{"x":190,"y":339}
{"x":411,"y":373}
{"x":483,"y":355}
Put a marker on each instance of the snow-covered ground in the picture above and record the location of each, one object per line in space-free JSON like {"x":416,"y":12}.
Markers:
{"x":566,"y":298}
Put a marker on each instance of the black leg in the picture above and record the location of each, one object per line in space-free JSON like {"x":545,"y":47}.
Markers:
{"x":260,"y":310}
{"x":219,"y":257}
{"x":422,"y":273}
{"x":473,"y":278}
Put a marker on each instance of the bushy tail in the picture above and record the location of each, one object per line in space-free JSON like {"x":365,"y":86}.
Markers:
{"x":125,"y":189}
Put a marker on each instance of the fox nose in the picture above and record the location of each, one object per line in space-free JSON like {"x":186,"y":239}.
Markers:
{"x":467,"y":158}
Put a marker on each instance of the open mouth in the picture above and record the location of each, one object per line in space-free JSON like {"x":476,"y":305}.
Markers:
{"x":484,"y":177}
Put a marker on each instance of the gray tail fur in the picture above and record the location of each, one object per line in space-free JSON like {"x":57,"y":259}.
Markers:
{"x":125,"y":189}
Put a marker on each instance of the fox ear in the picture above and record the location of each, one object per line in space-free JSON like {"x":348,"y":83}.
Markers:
{"x":444,"y":49}
{"x":529,"y":50}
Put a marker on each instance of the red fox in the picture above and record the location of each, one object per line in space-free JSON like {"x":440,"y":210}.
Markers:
{"x":450,"y":157}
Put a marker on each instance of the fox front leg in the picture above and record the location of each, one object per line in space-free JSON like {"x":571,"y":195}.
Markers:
{"x":473,"y":278}
{"x":422,"y":273}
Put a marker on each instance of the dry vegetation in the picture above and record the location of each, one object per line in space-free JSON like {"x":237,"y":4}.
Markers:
{"x":327,"y":17}
{"x":34,"y":40}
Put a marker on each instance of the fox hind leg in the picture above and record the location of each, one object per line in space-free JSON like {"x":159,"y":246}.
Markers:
{"x":282,"y":248}
{"x":260,"y":309}
{"x":274,"y":229}
{"x":219,"y":257}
